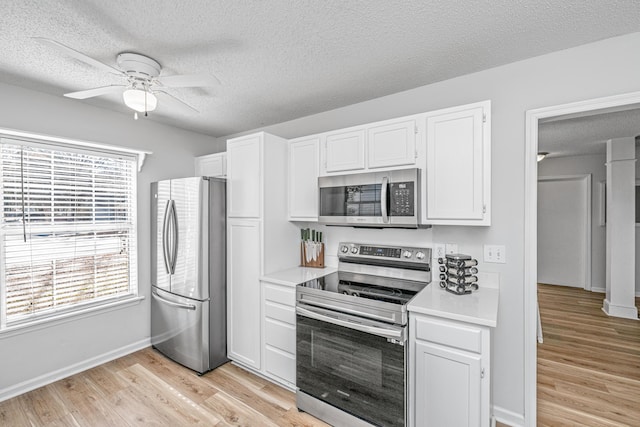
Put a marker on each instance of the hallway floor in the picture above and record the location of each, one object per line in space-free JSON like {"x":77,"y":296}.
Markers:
{"x":589,"y":363}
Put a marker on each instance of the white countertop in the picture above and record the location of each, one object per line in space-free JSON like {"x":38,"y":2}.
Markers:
{"x":295,"y":275}
{"x":480,"y":307}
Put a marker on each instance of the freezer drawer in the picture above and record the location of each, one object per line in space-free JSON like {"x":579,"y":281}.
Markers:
{"x":180,"y":329}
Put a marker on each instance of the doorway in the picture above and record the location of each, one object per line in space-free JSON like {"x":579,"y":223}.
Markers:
{"x":533,"y":119}
{"x":564,"y":230}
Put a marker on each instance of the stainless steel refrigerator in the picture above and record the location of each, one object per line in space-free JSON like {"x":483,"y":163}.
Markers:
{"x":188,"y":277}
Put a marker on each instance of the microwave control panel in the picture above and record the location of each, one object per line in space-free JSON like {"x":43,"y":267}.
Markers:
{"x":402,"y":197}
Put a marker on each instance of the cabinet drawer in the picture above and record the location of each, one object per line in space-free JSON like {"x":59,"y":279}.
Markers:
{"x":464,"y":337}
{"x":281,"y":294}
{"x":280,"y":335}
{"x":280,"y":364}
{"x":280,"y":312}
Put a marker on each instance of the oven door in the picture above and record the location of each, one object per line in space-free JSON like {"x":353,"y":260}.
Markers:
{"x":352,"y":363}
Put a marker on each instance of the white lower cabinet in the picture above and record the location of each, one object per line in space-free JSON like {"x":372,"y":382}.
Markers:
{"x":449,"y":365}
{"x":279,"y":333}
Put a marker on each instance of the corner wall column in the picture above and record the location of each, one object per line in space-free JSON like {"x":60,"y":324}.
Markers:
{"x":620,"y":255}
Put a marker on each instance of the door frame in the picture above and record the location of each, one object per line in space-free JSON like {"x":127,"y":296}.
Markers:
{"x":533,"y":117}
{"x":586,"y":285}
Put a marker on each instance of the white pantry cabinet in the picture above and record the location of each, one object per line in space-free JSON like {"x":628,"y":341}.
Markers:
{"x":243,"y":291}
{"x":303,"y":178}
{"x":449,"y":362}
{"x":458,"y":166}
{"x":260,"y":240}
{"x":212,"y":165}
{"x":244,"y":172}
{"x":279,"y":332}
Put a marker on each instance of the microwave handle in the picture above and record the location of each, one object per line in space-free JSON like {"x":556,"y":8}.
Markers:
{"x":383,"y":199}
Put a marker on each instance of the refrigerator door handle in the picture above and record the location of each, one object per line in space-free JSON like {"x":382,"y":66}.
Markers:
{"x":165,"y":230}
{"x":171,"y":303}
{"x":174,"y":250}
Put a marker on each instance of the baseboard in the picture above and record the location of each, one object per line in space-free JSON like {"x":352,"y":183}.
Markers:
{"x":626,"y":312}
{"x":507,"y":417}
{"x":67,"y":371}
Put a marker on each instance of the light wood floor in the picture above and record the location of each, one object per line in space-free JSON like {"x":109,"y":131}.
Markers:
{"x":588,"y":375}
{"x":145,"y":388}
{"x":588,"y":364}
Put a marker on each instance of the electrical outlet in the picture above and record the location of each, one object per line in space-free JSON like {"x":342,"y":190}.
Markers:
{"x":439,"y":250}
{"x":451,"y":248}
{"x":495,"y":253}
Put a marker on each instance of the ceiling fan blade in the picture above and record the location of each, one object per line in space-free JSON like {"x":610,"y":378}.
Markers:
{"x":174,"y":103}
{"x":90,"y":93}
{"x":79,"y":55}
{"x":188,"y":80}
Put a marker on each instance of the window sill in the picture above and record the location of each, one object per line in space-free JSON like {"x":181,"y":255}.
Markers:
{"x":73,"y":316}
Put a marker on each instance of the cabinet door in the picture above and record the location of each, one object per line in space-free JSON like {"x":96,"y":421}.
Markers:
{"x":212,"y":165}
{"x":447,"y":387}
{"x":458,"y":177}
{"x":243,"y":292}
{"x":244,"y":169}
{"x":303,"y":179}
{"x":392,"y":144}
{"x":344,"y":151}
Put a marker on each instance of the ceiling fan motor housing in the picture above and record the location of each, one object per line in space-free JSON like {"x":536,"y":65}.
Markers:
{"x":138,"y":66}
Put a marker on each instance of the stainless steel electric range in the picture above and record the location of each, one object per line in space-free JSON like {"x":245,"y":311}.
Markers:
{"x":351,"y":335}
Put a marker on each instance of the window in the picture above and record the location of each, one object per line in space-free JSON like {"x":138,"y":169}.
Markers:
{"x":68,"y":230}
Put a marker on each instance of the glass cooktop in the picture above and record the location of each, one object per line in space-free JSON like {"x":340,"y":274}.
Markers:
{"x":336,"y":284}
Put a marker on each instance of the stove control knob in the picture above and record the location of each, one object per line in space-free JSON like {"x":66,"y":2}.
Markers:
{"x":354,"y":250}
{"x":344,"y":249}
{"x":407,"y":254}
{"x":420,"y":255}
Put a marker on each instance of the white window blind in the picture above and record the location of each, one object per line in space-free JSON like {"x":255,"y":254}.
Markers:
{"x":68,"y":235}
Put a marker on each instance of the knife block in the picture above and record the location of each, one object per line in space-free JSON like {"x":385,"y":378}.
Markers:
{"x":318,"y":262}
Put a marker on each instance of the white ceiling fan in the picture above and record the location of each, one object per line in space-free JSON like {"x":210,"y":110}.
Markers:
{"x":143,"y":81}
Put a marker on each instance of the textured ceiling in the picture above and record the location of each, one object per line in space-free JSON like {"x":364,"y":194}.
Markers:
{"x":587,"y":133}
{"x":280,"y":59}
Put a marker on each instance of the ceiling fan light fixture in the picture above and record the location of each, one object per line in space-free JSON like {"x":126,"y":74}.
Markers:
{"x":140,"y":100}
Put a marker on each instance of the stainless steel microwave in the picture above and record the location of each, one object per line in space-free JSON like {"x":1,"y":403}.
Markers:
{"x":372,"y":199}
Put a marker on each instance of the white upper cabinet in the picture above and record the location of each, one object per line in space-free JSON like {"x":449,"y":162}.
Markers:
{"x":303,"y":178}
{"x":212,"y":165}
{"x":458,"y":166}
{"x":387,"y":144}
{"x":392,"y":144}
{"x":344,"y":151}
{"x":244,"y":177}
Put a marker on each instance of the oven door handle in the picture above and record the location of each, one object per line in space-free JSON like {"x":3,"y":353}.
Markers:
{"x":373,"y":330}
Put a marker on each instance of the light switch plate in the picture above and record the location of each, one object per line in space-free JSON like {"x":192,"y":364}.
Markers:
{"x":439,"y":250}
{"x":451,"y":248}
{"x":495,"y":253}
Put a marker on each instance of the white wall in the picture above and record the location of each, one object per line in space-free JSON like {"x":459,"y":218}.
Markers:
{"x":590,"y":71}
{"x":32,"y":357}
{"x":637,"y":228}
{"x":583,"y":165}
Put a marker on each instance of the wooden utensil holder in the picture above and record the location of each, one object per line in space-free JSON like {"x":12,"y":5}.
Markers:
{"x":318,"y":262}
